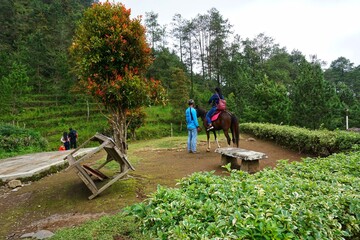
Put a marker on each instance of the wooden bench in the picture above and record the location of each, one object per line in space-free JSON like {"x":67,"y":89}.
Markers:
{"x":85,"y":172}
{"x":249,"y":159}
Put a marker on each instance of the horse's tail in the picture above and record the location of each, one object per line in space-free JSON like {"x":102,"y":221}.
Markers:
{"x":235,"y":130}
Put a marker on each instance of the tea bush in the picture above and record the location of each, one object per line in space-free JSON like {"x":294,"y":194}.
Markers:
{"x":317,"y":142}
{"x":316,"y":199}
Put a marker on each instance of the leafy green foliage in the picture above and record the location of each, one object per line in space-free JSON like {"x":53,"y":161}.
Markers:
{"x":42,"y":114}
{"x":271,"y":103}
{"x":313,"y":99}
{"x":111,"y":54}
{"x":37,"y":34}
{"x":160,"y":123}
{"x":354,"y":112}
{"x":318,"y":142}
{"x":163,"y":66}
{"x":111,"y":57}
{"x":15,"y":140}
{"x":13,"y":88}
{"x":179,"y":95}
{"x":317,"y":199}
{"x":136,"y":119}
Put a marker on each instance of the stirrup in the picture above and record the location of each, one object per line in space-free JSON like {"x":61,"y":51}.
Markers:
{"x":210,"y":128}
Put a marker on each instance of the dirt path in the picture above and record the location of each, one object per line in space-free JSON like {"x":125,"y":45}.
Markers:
{"x":60,"y":200}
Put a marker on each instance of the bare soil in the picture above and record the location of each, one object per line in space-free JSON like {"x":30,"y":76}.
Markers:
{"x":61,"y":200}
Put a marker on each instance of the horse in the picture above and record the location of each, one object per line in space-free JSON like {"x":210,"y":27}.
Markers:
{"x":225,"y":121}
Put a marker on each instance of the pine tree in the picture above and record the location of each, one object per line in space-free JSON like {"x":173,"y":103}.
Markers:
{"x":315,"y":103}
{"x":179,"y":95}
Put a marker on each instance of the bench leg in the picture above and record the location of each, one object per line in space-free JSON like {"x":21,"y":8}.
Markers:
{"x":226,"y":159}
{"x":250,"y":166}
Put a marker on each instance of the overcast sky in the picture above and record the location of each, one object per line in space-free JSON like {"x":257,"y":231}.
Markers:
{"x":326,"y":28}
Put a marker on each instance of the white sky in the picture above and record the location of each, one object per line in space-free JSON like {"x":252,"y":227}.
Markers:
{"x":326,"y":28}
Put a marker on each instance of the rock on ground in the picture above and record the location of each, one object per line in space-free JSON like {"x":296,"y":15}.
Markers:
{"x":14,"y":183}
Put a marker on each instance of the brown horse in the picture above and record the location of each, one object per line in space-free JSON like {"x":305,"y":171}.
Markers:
{"x":225,"y":121}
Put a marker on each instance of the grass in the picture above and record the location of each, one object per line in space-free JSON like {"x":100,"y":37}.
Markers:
{"x":162,"y":143}
{"x":118,"y":226}
{"x":166,"y":142}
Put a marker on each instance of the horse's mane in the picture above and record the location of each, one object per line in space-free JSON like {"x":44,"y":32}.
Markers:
{"x":200,"y":111}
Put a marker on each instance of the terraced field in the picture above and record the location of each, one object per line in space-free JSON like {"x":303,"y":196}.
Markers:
{"x":52,"y":115}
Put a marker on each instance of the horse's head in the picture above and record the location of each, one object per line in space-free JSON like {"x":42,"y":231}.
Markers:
{"x":200,"y":112}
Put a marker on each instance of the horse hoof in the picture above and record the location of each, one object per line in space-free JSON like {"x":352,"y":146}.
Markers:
{"x":208,"y":150}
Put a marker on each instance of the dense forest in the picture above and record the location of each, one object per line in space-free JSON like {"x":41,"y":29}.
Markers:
{"x":262,"y":81}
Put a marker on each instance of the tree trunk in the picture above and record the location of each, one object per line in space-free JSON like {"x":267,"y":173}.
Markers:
{"x":119,"y":130}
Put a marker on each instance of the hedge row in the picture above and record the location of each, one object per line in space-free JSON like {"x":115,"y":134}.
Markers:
{"x":317,"y":142}
{"x":315,"y":199}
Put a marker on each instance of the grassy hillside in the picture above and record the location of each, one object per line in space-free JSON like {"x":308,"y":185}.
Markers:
{"x":51,"y":116}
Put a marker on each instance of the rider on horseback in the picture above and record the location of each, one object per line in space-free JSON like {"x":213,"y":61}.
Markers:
{"x":214,"y":100}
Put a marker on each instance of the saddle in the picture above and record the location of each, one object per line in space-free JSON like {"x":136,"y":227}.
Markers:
{"x":216,"y":115}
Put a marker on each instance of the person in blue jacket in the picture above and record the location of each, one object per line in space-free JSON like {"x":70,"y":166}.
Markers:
{"x":192,"y":126}
{"x":214,"y":101}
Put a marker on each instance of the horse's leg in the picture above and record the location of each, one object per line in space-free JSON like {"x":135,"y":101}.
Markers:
{"x":232,"y":136}
{"x":208,"y":141}
{"x":226,"y":132}
{"x":216,"y":140}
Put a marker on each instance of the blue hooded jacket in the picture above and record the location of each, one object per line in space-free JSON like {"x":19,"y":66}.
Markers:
{"x":215,"y":99}
{"x":192,"y":122}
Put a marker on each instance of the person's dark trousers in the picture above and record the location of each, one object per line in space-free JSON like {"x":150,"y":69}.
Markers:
{"x":72,"y":144}
{"x":67,"y":145}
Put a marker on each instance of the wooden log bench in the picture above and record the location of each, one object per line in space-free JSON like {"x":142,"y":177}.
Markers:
{"x":249,"y":159}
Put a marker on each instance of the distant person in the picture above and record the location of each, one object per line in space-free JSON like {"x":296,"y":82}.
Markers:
{"x":192,"y":126}
{"x":214,"y":101}
{"x":73,"y":137}
{"x":65,"y":140}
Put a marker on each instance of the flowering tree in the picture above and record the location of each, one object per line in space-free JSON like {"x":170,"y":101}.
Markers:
{"x":111,"y":57}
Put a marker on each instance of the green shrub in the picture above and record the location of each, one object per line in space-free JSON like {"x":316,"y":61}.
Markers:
{"x":316,"y":199}
{"x":14,"y":140}
{"x":317,"y":142}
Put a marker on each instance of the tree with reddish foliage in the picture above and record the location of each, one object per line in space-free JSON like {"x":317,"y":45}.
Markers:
{"x":111,"y":57}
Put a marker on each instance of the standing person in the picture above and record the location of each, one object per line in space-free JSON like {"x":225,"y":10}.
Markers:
{"x":214,"y":101}
{"x":192,"y":126}
{"x":65,"y":140}
{"x":73,"y":137}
